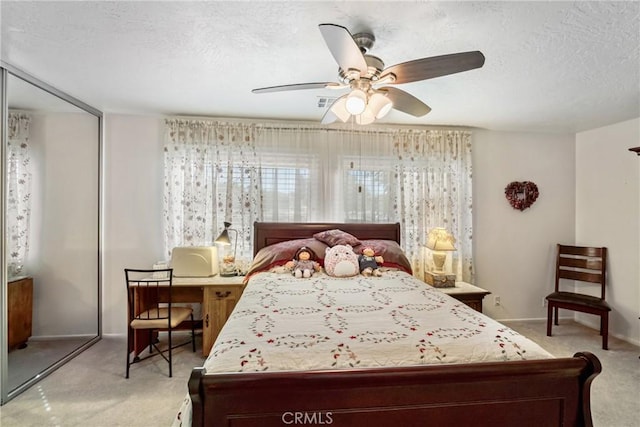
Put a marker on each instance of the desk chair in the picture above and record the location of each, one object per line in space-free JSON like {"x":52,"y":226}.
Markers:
{"x":583,"y":265}
{"x":150,"y":308}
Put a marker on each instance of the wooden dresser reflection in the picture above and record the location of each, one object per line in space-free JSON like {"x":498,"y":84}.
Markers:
{"x":20,"y":307}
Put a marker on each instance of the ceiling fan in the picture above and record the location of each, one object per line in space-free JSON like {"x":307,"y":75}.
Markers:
{"x":371,"y":97}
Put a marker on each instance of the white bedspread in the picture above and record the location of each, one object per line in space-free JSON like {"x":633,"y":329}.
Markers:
{"x":282,"y":323}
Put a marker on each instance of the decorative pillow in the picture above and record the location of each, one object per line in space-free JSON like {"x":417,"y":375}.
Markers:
{"x":336,"y":237}
{"x":341,"y":261}
{"x":280,"y":253}
{"x":390,"y":250}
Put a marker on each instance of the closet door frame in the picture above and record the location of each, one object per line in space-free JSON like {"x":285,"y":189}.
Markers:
{"x":5,"y":71}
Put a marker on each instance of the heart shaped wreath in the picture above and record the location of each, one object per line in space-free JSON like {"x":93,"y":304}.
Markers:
{"x":521,"y":194}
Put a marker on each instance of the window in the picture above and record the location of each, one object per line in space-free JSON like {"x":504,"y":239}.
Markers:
{"x":286,"y":191}
{"x":367,"y":189}
{"x":243,"y":173}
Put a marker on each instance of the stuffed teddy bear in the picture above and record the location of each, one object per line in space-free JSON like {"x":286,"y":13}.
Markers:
{"x":368,"y":262}
{"x":341,"y":261}
{"x":303,"y":263}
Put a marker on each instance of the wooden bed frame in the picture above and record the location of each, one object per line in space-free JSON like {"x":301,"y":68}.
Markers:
{"x":270,"y":233}
{"x":550,"y":392}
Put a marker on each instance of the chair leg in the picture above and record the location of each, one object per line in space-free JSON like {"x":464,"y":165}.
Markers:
{"x":555,"y":315}
{"x":128,"y":350}
{"x":170,"y":359}
{"x":193,"y":334}
{"x":604,"y":330}
{"x":549,"y":318}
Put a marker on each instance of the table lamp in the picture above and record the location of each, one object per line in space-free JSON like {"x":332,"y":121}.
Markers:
{"x":228,"y":267}
{"x":440,"y":241}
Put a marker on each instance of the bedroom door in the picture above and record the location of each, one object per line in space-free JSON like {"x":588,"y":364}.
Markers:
{"x":51,"y":228}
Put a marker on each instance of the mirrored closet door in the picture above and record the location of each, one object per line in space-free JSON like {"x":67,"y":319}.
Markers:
{"x":51,"y":199}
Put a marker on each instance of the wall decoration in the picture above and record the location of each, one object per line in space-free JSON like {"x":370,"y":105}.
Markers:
{"x":521,"y":194}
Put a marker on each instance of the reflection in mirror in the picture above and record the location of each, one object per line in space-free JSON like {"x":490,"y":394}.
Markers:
{"x":52,"y":222}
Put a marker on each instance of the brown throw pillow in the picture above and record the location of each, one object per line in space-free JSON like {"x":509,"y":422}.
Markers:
{"x":337,"y":237}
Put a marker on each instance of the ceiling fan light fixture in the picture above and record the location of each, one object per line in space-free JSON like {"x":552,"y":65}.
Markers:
{"x":356,"y":102}
{"x":379,"y":105}
{"x":339,"y":109}
{"x":365,"y":118}
{"x":366,"y":76}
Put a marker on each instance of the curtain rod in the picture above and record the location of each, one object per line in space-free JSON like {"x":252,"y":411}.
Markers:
{"x":305,"y":126}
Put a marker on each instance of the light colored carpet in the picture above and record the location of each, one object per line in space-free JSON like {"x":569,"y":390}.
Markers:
{"x":37,"y":356}
{"x":91,"y":389}
{"x":615,"y":393}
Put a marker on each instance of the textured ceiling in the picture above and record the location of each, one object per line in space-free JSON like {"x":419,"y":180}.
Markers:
{"x":550,"y":66}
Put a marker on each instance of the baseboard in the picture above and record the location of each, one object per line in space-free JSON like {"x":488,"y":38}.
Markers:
{"x":532,"y":319}
{"x":592,"y":325}
{"x":596,"y":326}
{"x":114,"y":335}
{"x":60,"y":337}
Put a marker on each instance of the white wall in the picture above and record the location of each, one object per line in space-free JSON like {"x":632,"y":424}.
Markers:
{"x":514,"y":250}
{"x":132,"y":207}
{"x":608,"y":214}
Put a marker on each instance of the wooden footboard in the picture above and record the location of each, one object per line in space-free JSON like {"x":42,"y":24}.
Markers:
{"x":552,"y":392}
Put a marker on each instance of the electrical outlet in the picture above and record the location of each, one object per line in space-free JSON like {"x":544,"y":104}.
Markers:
{"x":544,"y":301}
{"x":496,"y":300}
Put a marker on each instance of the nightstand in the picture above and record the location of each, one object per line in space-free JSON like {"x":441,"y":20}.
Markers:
{"x":467,"y":293}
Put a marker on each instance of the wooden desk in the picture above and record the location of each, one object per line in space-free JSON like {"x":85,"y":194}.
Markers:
{"x":467,"y":293}
{"x":218,"y":296}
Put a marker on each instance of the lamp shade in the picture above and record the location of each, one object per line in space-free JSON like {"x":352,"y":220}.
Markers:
{"x":339,"y":109}
{"x":223,"y":238}
{"x":356,"y":102}
{"x":365,"y":118}
{"x":439,"y":239}
{"x":379,"y":105}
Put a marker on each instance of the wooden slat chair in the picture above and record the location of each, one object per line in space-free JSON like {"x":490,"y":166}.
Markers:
{"x":583,"y":265}
{"x":150,"y":307}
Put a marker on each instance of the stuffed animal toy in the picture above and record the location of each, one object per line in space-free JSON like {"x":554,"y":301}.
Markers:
{"x":369,"y":263}
{"x":303,"y":263}
{"x":341,"y":261}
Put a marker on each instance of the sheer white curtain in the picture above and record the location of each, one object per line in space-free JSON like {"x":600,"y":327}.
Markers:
{"x":433,"y":189}
{"x":341,"y":174}
{"x":211,"y":176}
{"x":19,"y":178}
{"x":244,"y":172}
{"x":293,"y":170}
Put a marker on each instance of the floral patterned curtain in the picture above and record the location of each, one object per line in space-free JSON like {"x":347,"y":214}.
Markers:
{"x":18,"y":191}
{"x":211,"y":176}
{"x":245,"y":172}
{"x":433,"y":189}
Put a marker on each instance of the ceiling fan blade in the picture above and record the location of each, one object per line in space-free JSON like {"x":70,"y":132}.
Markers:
{"x":405,"y":102}
{"x":298,"y":86}
{"x":435,"y":66}
{"x":343,"y":48}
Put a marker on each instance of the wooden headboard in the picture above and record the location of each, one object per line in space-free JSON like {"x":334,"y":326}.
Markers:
{"x":269,"y":233}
